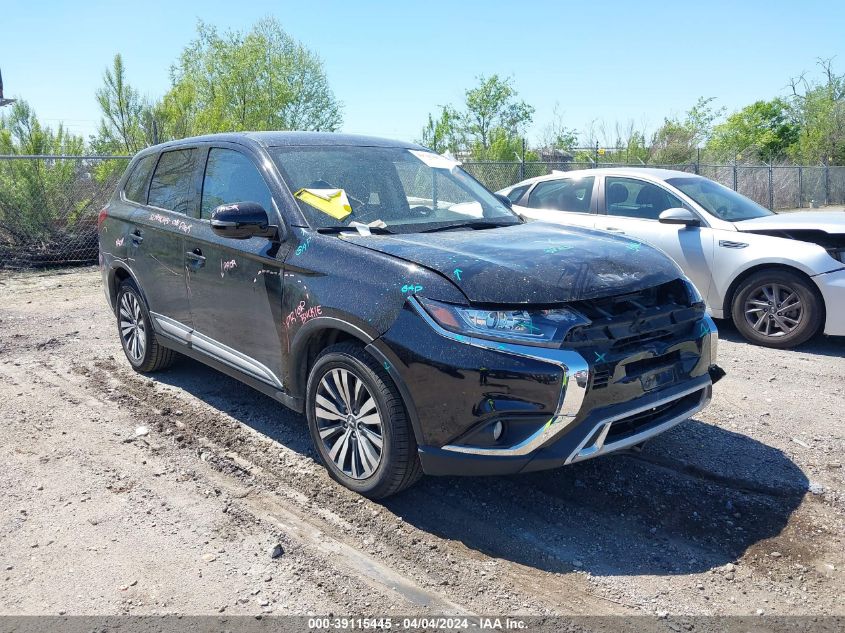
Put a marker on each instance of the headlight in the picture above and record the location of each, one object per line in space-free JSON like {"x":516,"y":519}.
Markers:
{"x":529,"y":327}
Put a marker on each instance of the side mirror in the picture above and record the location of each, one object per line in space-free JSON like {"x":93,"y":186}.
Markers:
{"x":679,"y":216}
{"x":504,"y":200}
{"x":242,"y":220}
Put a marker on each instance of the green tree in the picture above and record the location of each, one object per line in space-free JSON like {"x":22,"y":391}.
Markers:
{"x":819,"y":108}
{"x":39,"y":198}
{"x":489,"y":126}
{"x":676,"y":141}
{"x":491,"y":106}
{"x":125,"y":116}
{"x":445,"y":133}
{"x":260,"y":80}
{"x":762,"y":131}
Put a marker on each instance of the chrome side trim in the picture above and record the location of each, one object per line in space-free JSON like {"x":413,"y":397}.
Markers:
{"x":576,"y":377}
{"x":215,"y":349}
{"x":596,"y":437}
{"x":172,"y":327}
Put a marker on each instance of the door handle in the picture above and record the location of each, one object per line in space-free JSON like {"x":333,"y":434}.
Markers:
{"x":136,"y":236}
{"x":196,"y":257}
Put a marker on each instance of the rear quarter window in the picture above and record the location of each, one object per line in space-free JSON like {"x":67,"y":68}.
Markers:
{"x":136,"y":185}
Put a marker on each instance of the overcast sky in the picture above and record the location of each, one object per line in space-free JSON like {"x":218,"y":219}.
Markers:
{"x":391,"y":63}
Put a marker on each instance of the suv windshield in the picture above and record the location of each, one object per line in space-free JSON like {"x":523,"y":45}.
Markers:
{"x":722,"y":202}
{"x":407,"y":190}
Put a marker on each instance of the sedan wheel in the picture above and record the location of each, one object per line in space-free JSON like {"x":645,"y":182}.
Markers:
{"x":349,"y":423}
{"x":777,"y":308}
{"x":774,"y":309}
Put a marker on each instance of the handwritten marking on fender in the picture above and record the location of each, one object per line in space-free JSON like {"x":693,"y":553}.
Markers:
{"x":227,"y":266}
{"x":411,"y":288}
{"x":557,"y":249}
{"x":163,"y":219}
{"x":118,"y":242}
{"x":303,"y":314}
{"x":266,"y":272}
{"x":304,"y":246}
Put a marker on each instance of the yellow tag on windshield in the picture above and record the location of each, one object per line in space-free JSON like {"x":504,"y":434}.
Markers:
{"x":332,"y":202}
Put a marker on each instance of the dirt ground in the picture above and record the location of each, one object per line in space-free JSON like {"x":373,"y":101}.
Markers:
{"x":220,"y":506}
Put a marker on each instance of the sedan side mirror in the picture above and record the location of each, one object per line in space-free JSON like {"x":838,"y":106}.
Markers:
{"x":504,"y":200}
{"x":242,"y":220}
{"x":679,"y":216}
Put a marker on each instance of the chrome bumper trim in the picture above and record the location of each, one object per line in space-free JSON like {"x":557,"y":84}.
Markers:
{"x":576,"y":377}
{"x":594,"y":445}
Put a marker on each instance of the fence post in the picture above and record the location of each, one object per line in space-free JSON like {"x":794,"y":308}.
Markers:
{"x":771,"y":188}
{"x":826,"y":182}
{"x":698,"y":161}
{"x":596,"y":163}
{"x":522,"y":162}
{"x":734,"y":178}
{"x":800,"y":187}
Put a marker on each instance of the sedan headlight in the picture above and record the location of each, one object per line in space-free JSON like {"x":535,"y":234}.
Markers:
{"x":546,"y":328}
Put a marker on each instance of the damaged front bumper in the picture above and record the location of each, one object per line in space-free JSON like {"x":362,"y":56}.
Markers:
{"x":832,"y":287}
{"x":460,"y":389}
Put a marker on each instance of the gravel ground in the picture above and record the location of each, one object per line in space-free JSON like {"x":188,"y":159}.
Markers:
{"x":217,"y":505}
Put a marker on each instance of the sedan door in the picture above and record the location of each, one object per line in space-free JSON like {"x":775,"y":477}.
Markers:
{"x":563,"y":201}
{"x":632,"y":206}
{"x":235,"y":285}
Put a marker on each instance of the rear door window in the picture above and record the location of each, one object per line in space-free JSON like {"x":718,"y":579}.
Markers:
{"x":172,"y":186}
{"x":566,"y":194}
{"x":136,"y":186}
{"x":231,"y":177}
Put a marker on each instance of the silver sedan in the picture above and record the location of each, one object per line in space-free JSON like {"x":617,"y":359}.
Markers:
{"x":780,"y":277}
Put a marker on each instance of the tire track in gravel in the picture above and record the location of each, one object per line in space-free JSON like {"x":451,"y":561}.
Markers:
{"x":417,"y":552}
{"x":268,"y":507}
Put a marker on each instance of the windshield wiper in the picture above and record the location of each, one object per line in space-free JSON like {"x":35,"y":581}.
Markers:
{"x":341,"y":229}
{"x":475,"y":224}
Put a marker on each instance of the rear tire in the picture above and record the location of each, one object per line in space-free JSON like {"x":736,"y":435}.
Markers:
{"x":135,"y":329}
{"x":359,"y":424}
{"x":777,"y":308}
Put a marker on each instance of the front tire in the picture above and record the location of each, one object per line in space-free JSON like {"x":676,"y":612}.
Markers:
{"x":142,"y":349}
{"x":777,"y":308}
{"x":359,"y":425}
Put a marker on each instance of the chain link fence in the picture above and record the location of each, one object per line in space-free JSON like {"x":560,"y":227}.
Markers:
{"x":49,"y":204}
{"x":774,"y":187}
{"x":49,"y":207}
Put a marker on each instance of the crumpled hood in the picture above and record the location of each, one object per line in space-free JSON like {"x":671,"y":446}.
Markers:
{"x":536,"y":262}
{"x":828,"y":221}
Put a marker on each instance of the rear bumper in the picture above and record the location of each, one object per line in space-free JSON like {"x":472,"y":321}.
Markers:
{"x":832,"y":287}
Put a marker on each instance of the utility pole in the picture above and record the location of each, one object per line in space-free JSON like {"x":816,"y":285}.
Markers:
{"x":3,"y":101}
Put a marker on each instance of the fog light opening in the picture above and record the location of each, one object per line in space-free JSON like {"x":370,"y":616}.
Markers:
{"x":498,"y":427}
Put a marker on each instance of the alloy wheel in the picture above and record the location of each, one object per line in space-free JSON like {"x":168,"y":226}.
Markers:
{"x":349,"y":423}
{"x":774,"y":309}
{"x":133,"y":329}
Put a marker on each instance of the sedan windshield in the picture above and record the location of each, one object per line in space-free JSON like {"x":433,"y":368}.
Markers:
{"x":722,"y":202}
{"x":406,"y":190}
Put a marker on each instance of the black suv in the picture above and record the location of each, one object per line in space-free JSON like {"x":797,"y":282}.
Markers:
{"x":420,"y":325}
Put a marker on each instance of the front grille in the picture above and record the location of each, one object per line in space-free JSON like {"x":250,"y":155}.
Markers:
{"x":633,"y":424}
{"x":628,"y":321}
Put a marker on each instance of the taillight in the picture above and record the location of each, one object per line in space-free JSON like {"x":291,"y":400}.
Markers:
{"x":102,"y":218}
